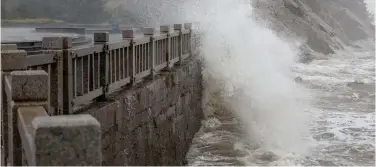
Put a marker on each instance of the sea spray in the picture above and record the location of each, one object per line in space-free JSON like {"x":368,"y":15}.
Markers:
{"x":252,"y":68}
{"x":247,"y":68}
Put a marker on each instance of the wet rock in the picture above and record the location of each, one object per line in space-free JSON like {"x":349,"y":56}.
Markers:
{"x":324,"y":136}
{"x":268,"y":157}
{"x":325,"y":25}
{"x":212,"y":123}
{"x":298,"y":79}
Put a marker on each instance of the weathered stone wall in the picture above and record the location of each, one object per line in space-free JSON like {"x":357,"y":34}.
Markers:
{"x":155,"y":122}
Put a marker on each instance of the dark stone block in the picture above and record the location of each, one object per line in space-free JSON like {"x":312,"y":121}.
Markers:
{"x":67,"y":140}
{"x":135,"y":122}
{"x":106,"y":115}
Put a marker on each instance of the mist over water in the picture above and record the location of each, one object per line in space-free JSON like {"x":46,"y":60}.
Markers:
{"x":253,"y":69}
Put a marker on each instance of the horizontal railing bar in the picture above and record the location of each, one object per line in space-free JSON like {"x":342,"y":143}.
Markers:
{"x":117,"y":85}
{"x":173,"y":61}
{"x":118,"y":45}
{"x":174,"y":34}
{"x":80,"y":52}
{"x":142,"y":74}
{"x":160,"y":37}
{"x":140,"y":41}
{"x":80,"y":100}
{"x":185,"y":56}
{"x":37,"y":60}
{"x":161,"y":66}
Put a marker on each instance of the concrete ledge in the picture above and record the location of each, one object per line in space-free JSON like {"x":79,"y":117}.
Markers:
{"x":26,"y":115}
{"x":13,"y":60}
{"x":29,"y":85}
{"x":67,"y":141}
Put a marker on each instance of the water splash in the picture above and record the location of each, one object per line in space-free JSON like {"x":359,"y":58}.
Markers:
{"x":248,"y":71}
{"x":251,"y":67}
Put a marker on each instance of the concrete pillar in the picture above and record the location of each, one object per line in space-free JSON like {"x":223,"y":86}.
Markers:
{"x":131,"y":35}
{"x":188,"y":26}
{"x":152,"y":32}
{"x":179,"y":27}
{"x":168,"y":29}
{"x":61,"y":77}
{"x":73,"y":140}
{"x":47,"y":141}
{"x":102,"y":38}
{"x":13,"y":60}
{"x":23,"y":88}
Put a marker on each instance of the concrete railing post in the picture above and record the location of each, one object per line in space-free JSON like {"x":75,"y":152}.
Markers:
{"x":73,"y":140}
{"x":61,"y":78}
{"x":152,"y":32}
{"x":168,"y":29}
{"x":42,"y":140}
{"x":12,"y":59}
{"x":23,"y":88}
{"x":131,"y":35}
{"x":188,"y":26}
{"x":179,"y":27}
{"x":102,"y":38}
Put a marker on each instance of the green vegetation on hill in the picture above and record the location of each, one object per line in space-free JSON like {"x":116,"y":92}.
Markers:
{"x":73,"y":11}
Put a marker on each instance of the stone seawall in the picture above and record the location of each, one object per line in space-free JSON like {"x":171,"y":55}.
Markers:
{"x":154,"y":122}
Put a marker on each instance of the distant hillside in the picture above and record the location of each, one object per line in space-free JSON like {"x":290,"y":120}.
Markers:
{"x":73,"y":11}
{"x":325,"y":25}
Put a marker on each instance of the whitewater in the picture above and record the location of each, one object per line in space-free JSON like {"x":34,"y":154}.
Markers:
{"x":264,"y":107}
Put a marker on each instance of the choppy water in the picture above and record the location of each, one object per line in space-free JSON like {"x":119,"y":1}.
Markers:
{"x":342,"y":125}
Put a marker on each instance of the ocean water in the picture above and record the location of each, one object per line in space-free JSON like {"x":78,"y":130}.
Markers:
{"x":342,"y":124}
{"x":264,"y":107}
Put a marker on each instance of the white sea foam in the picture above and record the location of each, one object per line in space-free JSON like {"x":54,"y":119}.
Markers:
{"x":252,"y":67}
